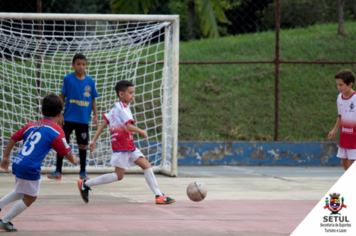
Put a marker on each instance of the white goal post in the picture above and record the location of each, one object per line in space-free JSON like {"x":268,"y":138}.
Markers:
{"x":36,"y":52}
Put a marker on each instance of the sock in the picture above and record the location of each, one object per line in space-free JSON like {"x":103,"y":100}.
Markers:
{"x":13,"y":196}
{"x":59,"y":163}
{"x":83,"y":159}
{"x":15,"y":210}
{"x":102,"y":179}
{"x":151,"y":181}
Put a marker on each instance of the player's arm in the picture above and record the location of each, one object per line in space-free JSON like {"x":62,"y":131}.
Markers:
{"x":97,"y":134}
{"x":61,"y":119}
{"x":18,"y":136}
{"x":72,"y":158}
{"x":60,"y":145}
{"x":132,"y":128}
{"x":95,"y":110}
{"x":63,"y":97}
{"x":336,"y":127}
{"x":5,"y":162}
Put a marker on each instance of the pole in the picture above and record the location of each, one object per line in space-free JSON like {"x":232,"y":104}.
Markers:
{"x":39,"y":57}
{"x":276,"y":82}
{"x":175,"y":98}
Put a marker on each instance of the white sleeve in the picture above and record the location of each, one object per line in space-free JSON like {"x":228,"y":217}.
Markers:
{"x":125,"y":115}
{"x":338,"y":107}
{"x":108,"y":115}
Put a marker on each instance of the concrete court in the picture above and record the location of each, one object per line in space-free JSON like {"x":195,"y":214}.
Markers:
{"x":243,"y":201}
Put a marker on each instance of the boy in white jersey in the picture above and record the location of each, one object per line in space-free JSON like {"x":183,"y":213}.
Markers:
{"x":346,"y":102}
{"x":125,"y":152}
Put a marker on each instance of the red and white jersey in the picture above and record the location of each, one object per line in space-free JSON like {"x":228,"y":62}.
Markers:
{"x":347,"y":112}
{"x":118,"y":117}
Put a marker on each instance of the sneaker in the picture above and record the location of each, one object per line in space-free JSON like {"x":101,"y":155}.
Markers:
{"x":55,"y":175}
{"x":9,"y":227}
{"x":83,"y":190}
{"x":83,"y":175}
{"x":164,"y":199}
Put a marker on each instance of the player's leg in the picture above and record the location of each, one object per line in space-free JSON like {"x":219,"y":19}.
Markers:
{"x":120,"y":172}
{"x":342,"y":154}
{"x":106,"y":178}
{"x":82,"y":134}
{"x":149,"y":175}
{"x":16,"y":210}
{"x":150,"y":178}
{"x":29,"y":190}
{"x":118,"y":159}
{"x":344,"y":163}
{"x":84,"y":185}
{"x":351,"y":156}
{"x":11,"y":197}
{"x":57,"y":174}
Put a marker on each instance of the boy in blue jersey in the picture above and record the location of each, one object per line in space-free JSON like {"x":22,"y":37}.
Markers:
{"x":81,"y":93}
{"x":39,"y":138}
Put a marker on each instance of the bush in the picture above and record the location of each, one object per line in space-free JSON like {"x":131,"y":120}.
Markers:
{"x":302,"y":13}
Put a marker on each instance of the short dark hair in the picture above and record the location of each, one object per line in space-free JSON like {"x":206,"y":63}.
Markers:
{"x":346,"y":75}
{"x":52,"y":105}
{"x":78,"y":56}
{"x":122,"y":85}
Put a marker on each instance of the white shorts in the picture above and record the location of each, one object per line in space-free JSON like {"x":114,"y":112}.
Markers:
{"x":28,"y":187}
{"x":125,"y":159}
{"x":344,"y":153}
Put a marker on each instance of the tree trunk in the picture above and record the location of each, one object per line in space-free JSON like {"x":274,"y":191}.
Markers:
{"x":111,"y":5}
{"x":191,"y":19}
{"x":340,"y":13}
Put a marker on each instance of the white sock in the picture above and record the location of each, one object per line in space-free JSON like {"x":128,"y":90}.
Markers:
{"x":13,"y":196}
{"x":102,"y":179}
{"x":15,"y":210}
{"x":151,"y":181}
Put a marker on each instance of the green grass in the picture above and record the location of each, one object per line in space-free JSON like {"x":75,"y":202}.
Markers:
{"x":221,"y":102}
{"x":236,"y":102}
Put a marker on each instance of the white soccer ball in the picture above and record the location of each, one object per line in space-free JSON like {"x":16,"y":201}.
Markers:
{"x":196,"y":191}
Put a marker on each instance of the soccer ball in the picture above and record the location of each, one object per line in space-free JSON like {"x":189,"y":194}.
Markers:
{"x":196,"y":191}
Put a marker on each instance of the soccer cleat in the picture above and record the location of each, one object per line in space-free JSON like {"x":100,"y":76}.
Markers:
{"x":83,"y":190}
{"x":83,"y":175}
{"x":164,"y":199}
{"x":9,"y":227}
{"x":55,"y":175}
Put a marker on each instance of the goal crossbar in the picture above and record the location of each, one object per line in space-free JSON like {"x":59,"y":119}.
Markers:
{"x":89,"y":17}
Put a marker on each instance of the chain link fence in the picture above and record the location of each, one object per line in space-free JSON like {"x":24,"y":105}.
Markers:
{"x":249,"y":70}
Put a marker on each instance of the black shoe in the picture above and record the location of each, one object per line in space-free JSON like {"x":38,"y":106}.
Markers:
{"x":83,"y":190}
{"x":9,"y":227}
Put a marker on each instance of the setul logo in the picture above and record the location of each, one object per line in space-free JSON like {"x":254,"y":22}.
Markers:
{"x":335,"y":204}
{"x":347,"y":130}
{"x":335,"y":222}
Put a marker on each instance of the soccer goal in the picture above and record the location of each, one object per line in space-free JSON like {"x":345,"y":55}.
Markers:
{"x":36,"y":52}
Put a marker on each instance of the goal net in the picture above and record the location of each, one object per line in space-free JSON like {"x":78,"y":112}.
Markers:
{"x":36,"y":52}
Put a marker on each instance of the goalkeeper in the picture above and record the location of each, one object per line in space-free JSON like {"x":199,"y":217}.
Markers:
{"x":81,"y":93}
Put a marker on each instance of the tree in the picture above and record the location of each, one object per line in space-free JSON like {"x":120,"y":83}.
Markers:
{"x":191,"y":19}
{"x":133,"y":6}
{"x":340,"y":13}
{"x":208,"y":13}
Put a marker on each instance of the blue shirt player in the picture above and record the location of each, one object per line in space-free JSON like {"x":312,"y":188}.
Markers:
{"x":80,"y":91}
{"x":39,"y":138}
